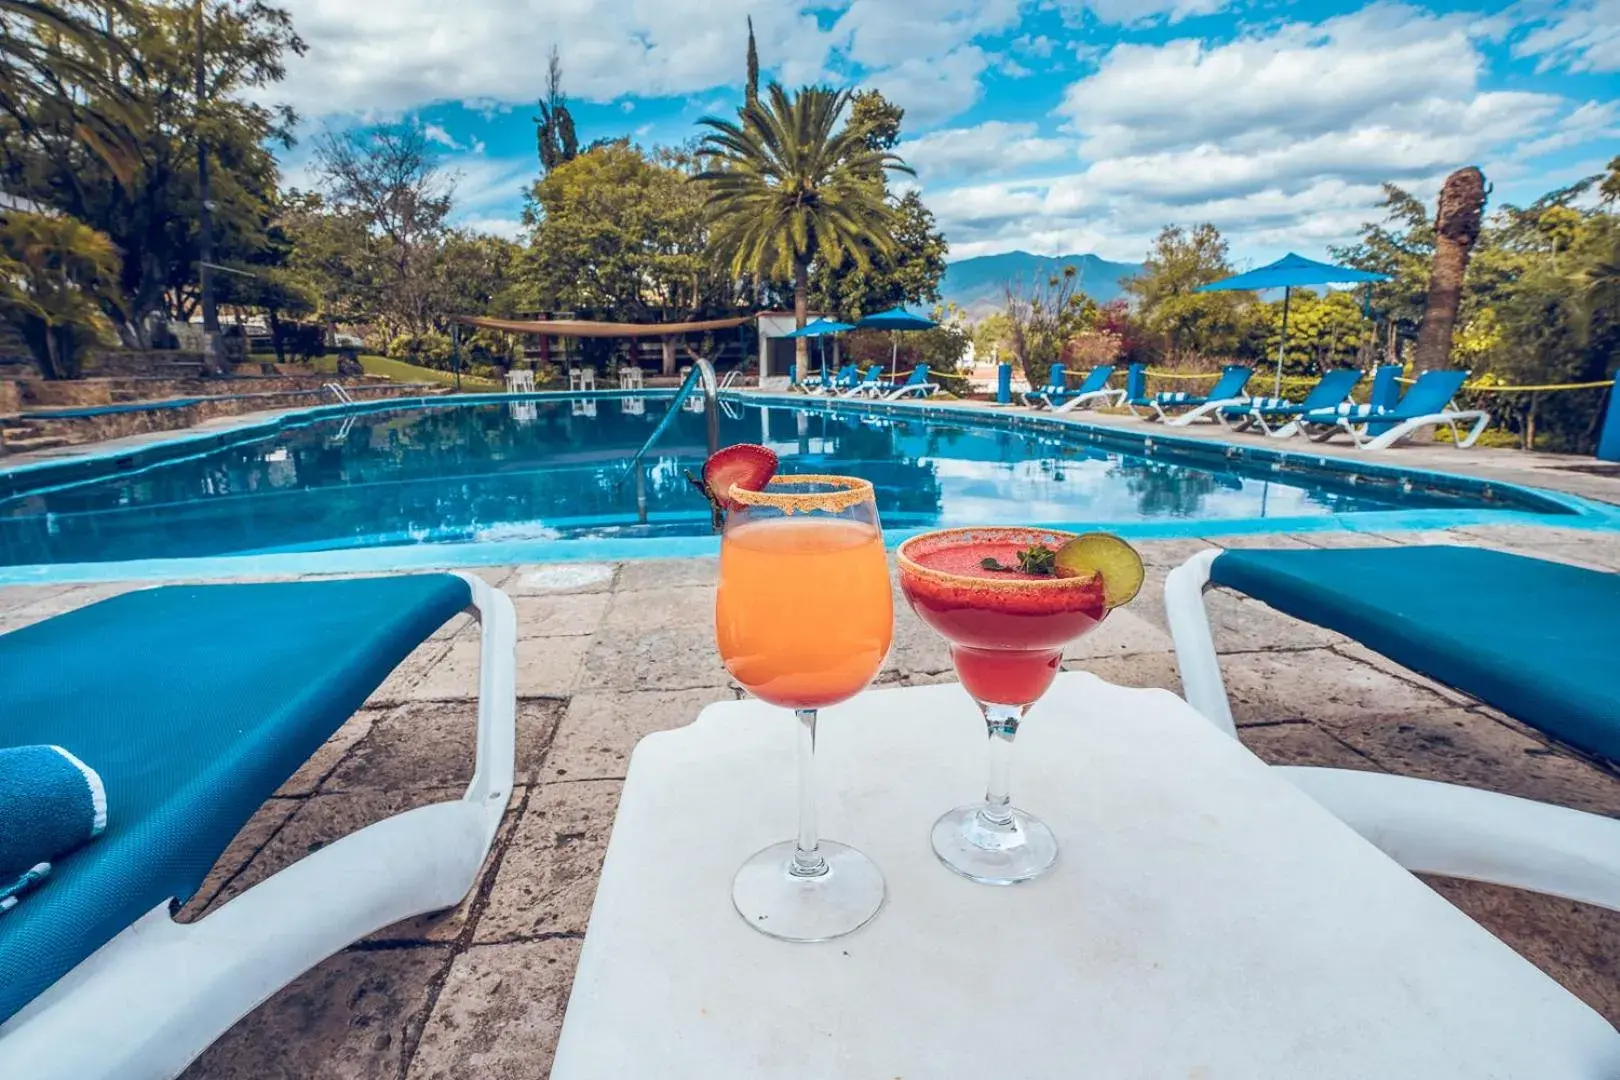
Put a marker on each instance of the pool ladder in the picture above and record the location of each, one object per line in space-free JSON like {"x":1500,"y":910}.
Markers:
{"x":337,"y":390}
{"x":702,"y":375}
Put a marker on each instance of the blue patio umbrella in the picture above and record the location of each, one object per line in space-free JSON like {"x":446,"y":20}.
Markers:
{"x":820,"y":328}
{"x":1287,"y":272}
{"x":895,"y":319}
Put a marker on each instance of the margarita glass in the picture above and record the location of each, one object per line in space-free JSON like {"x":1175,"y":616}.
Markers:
{"x":1007,"y":630}
{"x":803,"y":619}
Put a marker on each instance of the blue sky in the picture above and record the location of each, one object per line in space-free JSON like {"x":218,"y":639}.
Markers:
{"x":1056,"y":126}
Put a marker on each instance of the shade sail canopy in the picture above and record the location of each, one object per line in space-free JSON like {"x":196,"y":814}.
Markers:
{"x":584,"y":328}
{"x":895,"y":319}
{"x":820,"y":328}
{"x":1292,"y":271}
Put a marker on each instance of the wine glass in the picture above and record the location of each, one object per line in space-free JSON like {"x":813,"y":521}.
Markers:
{"x":1007,"y":631}
{"x":803,"y":619}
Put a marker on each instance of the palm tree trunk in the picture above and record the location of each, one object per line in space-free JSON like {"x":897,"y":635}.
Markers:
{"x":801,"y":314}
{"x":1462,"y":207}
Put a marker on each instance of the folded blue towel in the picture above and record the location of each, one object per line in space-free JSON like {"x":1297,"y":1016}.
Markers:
{"x":50,"y":804}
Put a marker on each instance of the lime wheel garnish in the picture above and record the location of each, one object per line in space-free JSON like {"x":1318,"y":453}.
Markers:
{"x":1105,"y":554}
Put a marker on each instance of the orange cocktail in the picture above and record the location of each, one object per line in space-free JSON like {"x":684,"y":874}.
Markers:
{"x":803,"y":615}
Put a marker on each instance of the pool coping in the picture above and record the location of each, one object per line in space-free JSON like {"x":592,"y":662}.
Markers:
{"x":1565,"y":510}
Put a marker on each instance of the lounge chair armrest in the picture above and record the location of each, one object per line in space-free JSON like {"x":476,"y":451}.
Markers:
{"x":1200,"y":668}
{"x":1462,"y":832}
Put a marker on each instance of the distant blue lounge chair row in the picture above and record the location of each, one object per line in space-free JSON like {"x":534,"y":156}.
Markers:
{"x":849,"y":382}
{"x":1326,"y":411}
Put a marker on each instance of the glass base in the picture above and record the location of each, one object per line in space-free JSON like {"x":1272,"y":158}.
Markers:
{"x":780,"y":905}
{"x":990,"y":854}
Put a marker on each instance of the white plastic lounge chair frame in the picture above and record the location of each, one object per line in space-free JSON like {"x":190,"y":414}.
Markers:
{"x":1192,"y":415}
{"x":870,"y":386}
{"x":922,"y":389}
{"x":147,"y":1003}
{"x":1087,"y":400}
{"x":1427,"y":827}
{"x":1357,"y":427}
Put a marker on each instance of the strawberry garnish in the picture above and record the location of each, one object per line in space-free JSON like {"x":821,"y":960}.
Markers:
{"x":745,"y":465}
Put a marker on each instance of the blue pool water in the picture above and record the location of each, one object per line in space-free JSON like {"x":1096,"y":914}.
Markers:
{"x":558,"y":469}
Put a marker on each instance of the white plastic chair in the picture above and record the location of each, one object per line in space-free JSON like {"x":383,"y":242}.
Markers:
{"x":581,"y":379}
{"x":630,"y":378}
{"x":520,"y":382}
{"x":1427,"y":827}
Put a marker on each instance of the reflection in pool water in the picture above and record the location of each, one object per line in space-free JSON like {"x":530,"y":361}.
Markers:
{"x":541,"y":469}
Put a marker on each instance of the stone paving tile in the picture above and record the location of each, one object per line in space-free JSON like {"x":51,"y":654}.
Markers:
{"x":642,"y":610}
{"x":546,"y":667}
{"x":432,"y":744}
{"x":1261,"y":541}
{"x":1240,"y":624}
{"x":1300,"y":744}
{"x":916,"y":647}
{"x":1576,"y":943}
{"x":1464,"y":747}
{"x":1358,"y":652}
{"x":351,"y":1018}
{"x":412,"y":670}
{"x":668,"y":573}
{"x":252,"y":837}
{"x":322,"y":819}
{"x":499,"y":1013}
{"x":666,"y":658}
{"x":1147,"y":670}
{"x":548,"y":879}
{"x":1169,"y":554}
{"x":1317,"y":685}
{"x":17,"y":596}
{"x":563,"y":615}
{"x":1122,"y":633}
{"x":600,"y":729}
{"x":323,"y":761}
{"x":1328,"y":539}
{"x":545,"y":579}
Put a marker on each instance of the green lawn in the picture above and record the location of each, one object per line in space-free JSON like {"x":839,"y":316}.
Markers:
{"x":400,"y":371}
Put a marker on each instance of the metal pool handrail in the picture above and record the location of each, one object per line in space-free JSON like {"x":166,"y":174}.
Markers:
{"x":702,"y":371}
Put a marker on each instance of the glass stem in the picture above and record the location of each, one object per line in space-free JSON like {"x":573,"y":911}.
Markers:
{"x":807,"y":857}
{"x":1001,"y":722}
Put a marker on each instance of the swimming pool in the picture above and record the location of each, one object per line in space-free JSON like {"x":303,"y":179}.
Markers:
{"x":549,"y":469}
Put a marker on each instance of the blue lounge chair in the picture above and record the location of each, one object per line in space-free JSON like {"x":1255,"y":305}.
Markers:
{"x":196,"y":703}
{"x":1092,"y":389}
{"x":1427,"y":403}
{"x":917,"y":383}
{"x":817,"y":384}
{"x":1228,"y":390}
{"x":1331,"y":391}
{"x":869,"y":385}
{"x":1537,"y":643}
{"x":830,"y":384}
{"x":1056,"y":386}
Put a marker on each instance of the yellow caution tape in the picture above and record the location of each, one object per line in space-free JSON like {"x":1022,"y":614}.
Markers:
{"x":1485,"y":388}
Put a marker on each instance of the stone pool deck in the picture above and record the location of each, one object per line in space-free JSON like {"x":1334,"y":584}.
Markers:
{"x":623,"y":650}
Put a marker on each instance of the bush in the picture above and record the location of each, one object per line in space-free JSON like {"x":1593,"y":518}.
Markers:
{"x":431,"y":349}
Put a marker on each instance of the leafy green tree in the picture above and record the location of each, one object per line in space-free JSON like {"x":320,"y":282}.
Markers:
{"x":389,"y":177}
{"x":1609,"y":185}
{"x":151,"y":217}
{"x":473,"y":272}
{"x":876,"y":118}
{"x":554,"y":133}
{"x":1323,"y":331}
{"x":60,"y":65}
{"x":622,"y":236}
{"x":789,"y":186}
{"x":1042,"y":316}
{"x":1170,"y":307}
{"x":55,"y":276}
{"x":908,"y":273}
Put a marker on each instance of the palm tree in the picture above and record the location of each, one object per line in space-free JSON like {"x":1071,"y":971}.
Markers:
{"x":60,"y":70}
{"x":1457,"y":223}
{"x":789,"y":187}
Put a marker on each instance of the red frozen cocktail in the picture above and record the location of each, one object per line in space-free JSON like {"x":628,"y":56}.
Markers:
{"x":1008,"y":600}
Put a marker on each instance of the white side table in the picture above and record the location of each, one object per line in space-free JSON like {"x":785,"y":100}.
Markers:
{"x":1205,"y":919}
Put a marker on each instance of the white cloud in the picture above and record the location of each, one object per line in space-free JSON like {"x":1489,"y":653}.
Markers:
{"x":1280,"y":138}
{"x":933,"y":89}
{"x":1132,"y":12}
{"x":385,"y":58}
{"x":436,"y":134}
{"x":1581,"y":36}
{"x":506,"y":227}
{"x":993,"y":148}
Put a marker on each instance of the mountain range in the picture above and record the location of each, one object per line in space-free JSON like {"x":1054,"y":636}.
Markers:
{"x":978,"y":285}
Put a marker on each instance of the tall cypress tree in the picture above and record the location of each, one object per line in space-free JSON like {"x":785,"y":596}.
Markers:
{"x":752,"y":90}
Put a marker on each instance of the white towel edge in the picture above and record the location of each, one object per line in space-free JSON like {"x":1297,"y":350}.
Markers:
{"x":98,"y":793}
